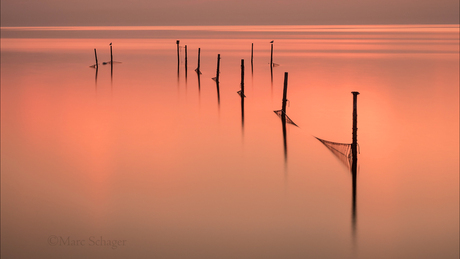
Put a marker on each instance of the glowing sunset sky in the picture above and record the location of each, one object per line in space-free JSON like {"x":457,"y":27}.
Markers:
{"x":226,"y":12}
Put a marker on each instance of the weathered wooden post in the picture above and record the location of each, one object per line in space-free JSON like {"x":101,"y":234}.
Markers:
{"x":95,"y":55}
{"x":354,"y":144}
{"x":252,"y":55}
{"x":242,"y":78}
{"x":284,"y":116}
{"x":198,"y":68}
{"x":283,"y":108}
{"x":271,"y":55}
{"x":218,"y":68}
{"x":242,"y":93}
{"x":354,"y":154}
{"x":178,"y":57}
{"x":111,"y":56}
{"x":185,"y":61}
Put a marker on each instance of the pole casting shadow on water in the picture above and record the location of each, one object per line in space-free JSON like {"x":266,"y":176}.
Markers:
{"x":217,"y":80}
{"x":178,"y":58}
{"x":348,"y":155}
{"x":284,"y":118}
{"x":96,"y":66}
{"x":241,"y":93}
{"x":111,"y":62}
{"x":111,"y":57}
{"x":271,"y":65}
{"x":198,"y":73}
{"x":186,"y":66}
{"x":252,"y":59}
{"x":354,"y":163}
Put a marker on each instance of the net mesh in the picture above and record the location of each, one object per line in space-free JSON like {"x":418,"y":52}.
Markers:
{"x":280,"y":114}
{"x":341,"y":150}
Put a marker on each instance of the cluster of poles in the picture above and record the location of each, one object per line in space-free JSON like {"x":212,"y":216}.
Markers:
{"x":283,"y":116}
{"x":111,"y":62}
{"x":281,"y":113}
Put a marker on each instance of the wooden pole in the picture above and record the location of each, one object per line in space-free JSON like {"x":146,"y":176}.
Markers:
{"x":354,"y":152}
{"x":285,"y":93}
{"x":198,"y":68}
{"x":242,"y":78}
{"x":178,"y":57}
{"x":242,"y":93}
{"x":186,"y":60}
{"x":111,"y":56}
{"x":271,"y":55}
{"x":218,"y":68}
{"x":252,"y":53}
{"x":95,"y":55}
{"x":354,"y":143}
{"x":111,"y":65}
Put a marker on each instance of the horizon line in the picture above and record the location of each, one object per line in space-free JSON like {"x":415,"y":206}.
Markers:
{"x":228,"y":27}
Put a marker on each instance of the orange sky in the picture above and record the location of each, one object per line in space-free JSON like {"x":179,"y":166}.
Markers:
{"x":220,"y":12}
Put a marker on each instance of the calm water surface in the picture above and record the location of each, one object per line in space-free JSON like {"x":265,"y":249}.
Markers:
{"x":143,"y":160}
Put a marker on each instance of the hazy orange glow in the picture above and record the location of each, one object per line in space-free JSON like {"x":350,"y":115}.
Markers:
{"x":140,"y":150}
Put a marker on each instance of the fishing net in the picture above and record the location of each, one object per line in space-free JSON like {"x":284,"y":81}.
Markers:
{"x":341,"y":150}
{"x":280,"y":114}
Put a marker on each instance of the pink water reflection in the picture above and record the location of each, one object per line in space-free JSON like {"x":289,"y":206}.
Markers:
{"x":150,"y":157}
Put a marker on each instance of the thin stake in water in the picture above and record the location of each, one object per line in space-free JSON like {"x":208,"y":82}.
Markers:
{"x":271,"y":54}
{"x":282,"y":113}
{"x":97,"y":63}
{"x":252,"y":57}
{"x":283,"y":108}
{"x":198,"y":68}
{"x":354,"y":156}
{"x":241,"y":93}
{"x":218,"y":69}
{"x":95,"y":55}
{"x":185,"y":61}
{"x":178,"y":58}
{"x":111,"y":57}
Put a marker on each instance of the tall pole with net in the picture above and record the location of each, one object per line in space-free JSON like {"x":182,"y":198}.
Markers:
{"x":354,"y":157}
{"x":354,"y":144}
